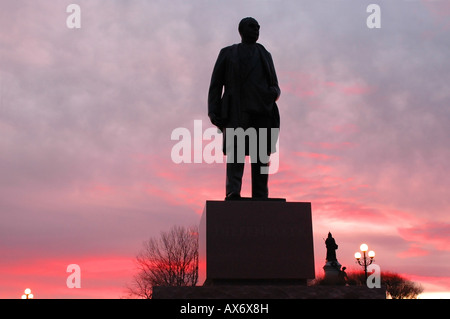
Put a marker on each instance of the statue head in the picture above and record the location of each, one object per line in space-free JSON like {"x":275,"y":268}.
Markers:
{"x":249,"y":30}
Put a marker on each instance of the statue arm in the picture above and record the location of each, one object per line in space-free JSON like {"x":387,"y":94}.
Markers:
{"x":273,"y":78}
{"x":216,"y":88}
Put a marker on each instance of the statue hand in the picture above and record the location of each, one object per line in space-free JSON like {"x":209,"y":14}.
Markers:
{"x":217,"y":121}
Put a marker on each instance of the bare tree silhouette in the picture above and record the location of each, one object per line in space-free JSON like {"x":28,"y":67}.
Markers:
{"x":171,"y":260}
{"x":400,"y":287}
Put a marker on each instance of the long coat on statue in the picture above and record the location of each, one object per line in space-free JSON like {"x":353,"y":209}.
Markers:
{"x":243,"y":95}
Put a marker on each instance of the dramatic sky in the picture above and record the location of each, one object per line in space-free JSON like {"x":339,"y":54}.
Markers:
{"x":86,"y":117}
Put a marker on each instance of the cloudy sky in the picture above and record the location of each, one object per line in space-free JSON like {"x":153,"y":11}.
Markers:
{"x":86,"y":117}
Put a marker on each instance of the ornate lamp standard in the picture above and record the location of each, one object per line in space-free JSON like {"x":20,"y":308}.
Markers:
{"x":365,"y":261}
{"x":28,"y":294}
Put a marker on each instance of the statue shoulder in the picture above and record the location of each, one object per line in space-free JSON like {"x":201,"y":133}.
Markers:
{"x":263,"y":49}
{"x":226,"y":52}
{"x":229,"y":48}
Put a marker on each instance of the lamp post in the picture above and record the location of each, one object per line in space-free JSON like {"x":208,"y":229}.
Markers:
{"x":28,"y":294}
{"x":365,"y":261}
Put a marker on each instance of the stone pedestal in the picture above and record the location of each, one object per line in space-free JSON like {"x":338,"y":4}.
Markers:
{"x":332,"y":270}
{"x":256,"y":242}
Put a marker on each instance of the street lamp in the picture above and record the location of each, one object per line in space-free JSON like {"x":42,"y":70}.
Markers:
{"x":365,"y":261}
{"x":28,"y":294}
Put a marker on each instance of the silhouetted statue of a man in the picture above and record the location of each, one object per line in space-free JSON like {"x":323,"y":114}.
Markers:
{"x":241,"y":103}
{"x":331,"y":248}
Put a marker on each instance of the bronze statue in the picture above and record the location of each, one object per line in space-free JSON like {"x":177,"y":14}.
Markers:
{"x":331,"y":248}
{"x":242,"y":96}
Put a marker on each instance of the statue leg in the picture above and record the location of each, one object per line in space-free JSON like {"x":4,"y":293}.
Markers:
{"x":235,"y":171}
{"x":260,"y":163}
{"x":260,"y":181}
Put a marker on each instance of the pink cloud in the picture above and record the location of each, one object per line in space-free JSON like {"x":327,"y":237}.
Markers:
{"x":298,"y":83}
{"x":306,"y":85}
{"x":431,"y":233}
{"x":415,"y":250}
{"x":356,"y":90}
{"x":346,"y":128}
{"x":331,"y":145}
{"x":316,"y":156}
{"x":431,"y":283}
{"x":349,"y":210}
{"x":439,"y":9}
